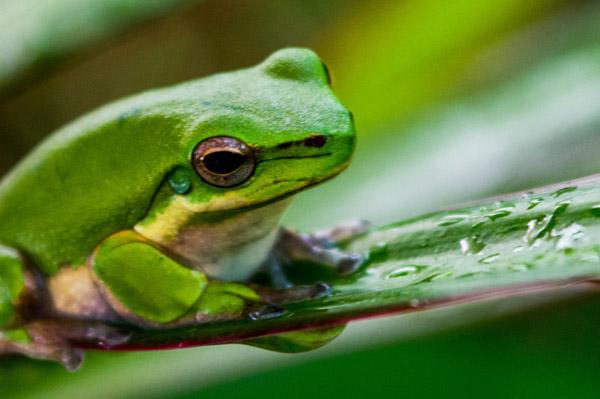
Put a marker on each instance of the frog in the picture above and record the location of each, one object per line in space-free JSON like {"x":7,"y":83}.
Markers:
{"x":157,"y":210}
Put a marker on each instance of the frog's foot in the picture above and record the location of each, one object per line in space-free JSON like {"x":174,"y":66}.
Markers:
{"x":320,"y":247}
{"x":272,"y":300}
{"x":51,"y":340}
{"x":95,"y":333}
{"x":297,"y":293}
{"x":35,"y":342}
{"x":297,"y":341}
{"x":261,"y":311}
{"x":342,"y":232}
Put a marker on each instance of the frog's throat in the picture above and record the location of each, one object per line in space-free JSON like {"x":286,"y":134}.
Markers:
{"x":169,"y":222}
{"x":230,"y":248}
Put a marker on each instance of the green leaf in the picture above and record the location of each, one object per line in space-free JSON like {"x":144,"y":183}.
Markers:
{"x":539,"y":240}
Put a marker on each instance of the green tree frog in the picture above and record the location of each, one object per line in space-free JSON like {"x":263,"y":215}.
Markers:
{"x":156,"y":210}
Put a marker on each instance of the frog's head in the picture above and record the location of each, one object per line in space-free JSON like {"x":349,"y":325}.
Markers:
{"x":263,"y":134}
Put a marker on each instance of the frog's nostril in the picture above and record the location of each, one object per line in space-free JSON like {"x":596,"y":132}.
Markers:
{"x":285,"y":145}
{"x":317,"y":141}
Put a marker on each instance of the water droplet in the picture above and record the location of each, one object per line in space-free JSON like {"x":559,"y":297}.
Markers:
{"x":534,"y":202}
{"x":415,"y":303}
{"x":406,"y":270}
{"x":490,"y":258}
{"x":561,"y":207}
{"x":430,"y":277}
{"x":478,"y":224}
{"x":468,"y":274}
{"x":563,"y":190}
{"x":537,"y":228}
{"x":471,"y":245}
{"x":471,"y":274}
{"x":499,"y":213}
{"x":568,"y":236}
{"x":266,"y":312}
{"x":378,"y":253}
{"x":590,"y":257}
{"x":441,"y":276}
{"x":449,"y":220}
{"x":520,"y":267}
{"x":595,"y":210}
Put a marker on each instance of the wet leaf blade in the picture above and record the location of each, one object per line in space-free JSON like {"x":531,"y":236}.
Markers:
{"x":500,"y":247}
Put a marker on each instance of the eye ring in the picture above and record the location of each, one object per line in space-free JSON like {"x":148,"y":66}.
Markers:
{"x":223,"y":161}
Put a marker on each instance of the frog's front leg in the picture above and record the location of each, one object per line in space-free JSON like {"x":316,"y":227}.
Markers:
{"x":150,"y":288}
{"x":320,"y":247}
{"x":141,"y":283}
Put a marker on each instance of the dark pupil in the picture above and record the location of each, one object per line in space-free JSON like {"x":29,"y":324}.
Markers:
{"x":223,"y":162}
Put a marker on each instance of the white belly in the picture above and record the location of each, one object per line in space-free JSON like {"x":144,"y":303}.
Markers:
{"x":231,"y":249}
{"x":241,"y":263}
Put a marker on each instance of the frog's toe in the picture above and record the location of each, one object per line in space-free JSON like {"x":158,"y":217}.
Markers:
{"x":44,"y":347}
{"x":107,"y":336}
{"x":297,"y":293}
{"x":320,"y":290}
{"x":264,"y":312}
{"x":343,"y":263}
{"x":343,"y":232}
{"x":71,"y":358}
{"x":349,"y":263}
{"x":321,"y":249}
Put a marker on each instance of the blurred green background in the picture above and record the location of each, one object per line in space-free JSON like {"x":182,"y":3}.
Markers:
{"x":453,"y":101}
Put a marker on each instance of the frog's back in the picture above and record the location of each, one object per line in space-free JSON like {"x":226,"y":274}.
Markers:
{"x":99,"y":175}
{"x":92,"y":178}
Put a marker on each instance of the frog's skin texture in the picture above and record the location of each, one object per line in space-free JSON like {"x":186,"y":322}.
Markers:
{"x":111,"y":219}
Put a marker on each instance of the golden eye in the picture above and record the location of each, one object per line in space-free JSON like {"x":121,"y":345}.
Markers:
{"x":223,"y":161}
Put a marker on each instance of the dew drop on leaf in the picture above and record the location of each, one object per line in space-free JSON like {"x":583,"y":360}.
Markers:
{"x":499,"y":213}
{"x":534,"y":202}
{"x":471,"y":245}
{"x":449,"y":220}
{"x":561,"y":207}
{"x":406,"y":270}
{"x":568,"y":236}
{"x":564,"y":190}
{"x":490,"y":258}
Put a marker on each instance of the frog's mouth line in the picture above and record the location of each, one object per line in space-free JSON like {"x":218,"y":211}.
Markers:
{"x":324,"y":154}
{"x":311,"y":182}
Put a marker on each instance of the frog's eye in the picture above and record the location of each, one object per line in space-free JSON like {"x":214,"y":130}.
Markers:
{"x":223,"y":161}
